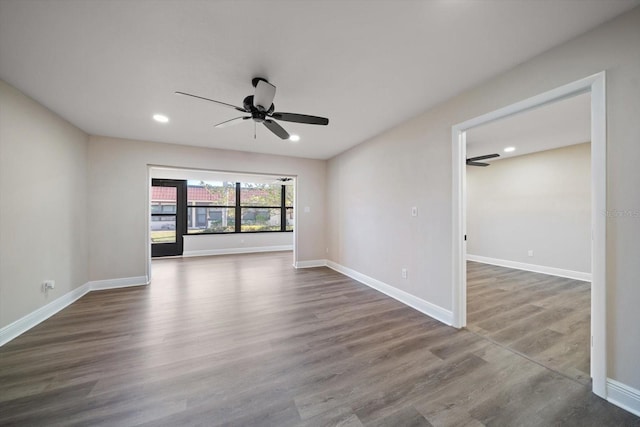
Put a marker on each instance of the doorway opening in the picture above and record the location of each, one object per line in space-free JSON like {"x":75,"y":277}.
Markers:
{"x":529,"y":234}
{"x":195,"y":212}
{"x":595,"y":85}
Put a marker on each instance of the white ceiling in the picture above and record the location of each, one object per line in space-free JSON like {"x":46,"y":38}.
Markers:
{"x":555,"y":125}
{"x":108,"y":66}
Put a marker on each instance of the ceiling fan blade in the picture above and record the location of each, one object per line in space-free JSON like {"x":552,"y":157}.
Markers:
{"x":300,"y":118}
{"x":470,"y":163}
{"x":276,"y":128}
{"x":486,"y":156}
{"x":212,"y":100}
{"x":232,"y":122}
{"x":263,"y":98}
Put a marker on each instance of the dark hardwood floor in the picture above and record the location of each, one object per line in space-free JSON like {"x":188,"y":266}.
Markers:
{"x":247,"y":340}
{"x":545,"y":318}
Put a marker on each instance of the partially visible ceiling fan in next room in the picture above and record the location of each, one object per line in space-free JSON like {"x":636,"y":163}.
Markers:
{"x":473,"y":161}
{"x":261,"y":109}
{"x":283,"y":181}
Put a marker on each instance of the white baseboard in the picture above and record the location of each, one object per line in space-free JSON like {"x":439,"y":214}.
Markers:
{"x":431,"y":310}
{"x":125,"y":282}
{"x":22,"y":325}
{"x":38,"y":316}
{"x":231,"y":251}
{"x":628,"y":398}
{"x":570,"y":274}
{"x":311,"y":263}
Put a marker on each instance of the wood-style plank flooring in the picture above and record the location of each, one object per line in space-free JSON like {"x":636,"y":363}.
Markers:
{"x":246,"y":340}
{"x":546,"y":318}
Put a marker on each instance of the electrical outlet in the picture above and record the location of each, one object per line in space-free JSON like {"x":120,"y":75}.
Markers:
{"x":48,"y":284}
{"x":404,"y":273}
{"x":530,"y":253}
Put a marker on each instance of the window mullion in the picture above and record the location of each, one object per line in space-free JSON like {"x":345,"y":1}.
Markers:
{"x":238,"y":209}
{"x":283,"y":209}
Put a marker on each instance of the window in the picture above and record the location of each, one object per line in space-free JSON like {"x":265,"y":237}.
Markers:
{"x":260,"y":207}
{"x":211,"y":207}
{"x":164,"y":202}
{"x":238,"y":207}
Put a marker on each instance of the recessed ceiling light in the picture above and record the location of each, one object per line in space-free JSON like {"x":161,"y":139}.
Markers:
{"x":160,"y":118}
{"x":294,"y":138}
{"x":509,"y":149}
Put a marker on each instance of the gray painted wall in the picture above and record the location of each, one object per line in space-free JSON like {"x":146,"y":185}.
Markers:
{"x":43,"y":205}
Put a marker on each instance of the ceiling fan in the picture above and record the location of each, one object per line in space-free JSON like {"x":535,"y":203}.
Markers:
{"x":473,"y":161}
{"x":284,"y":181}
{"x":261,"y":109}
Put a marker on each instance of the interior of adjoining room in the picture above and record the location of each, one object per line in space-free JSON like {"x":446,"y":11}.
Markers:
{"x":529,"y":234}
{"x":205,"y":212}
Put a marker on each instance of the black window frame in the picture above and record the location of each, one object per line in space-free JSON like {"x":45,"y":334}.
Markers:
{"x":238,"y":213}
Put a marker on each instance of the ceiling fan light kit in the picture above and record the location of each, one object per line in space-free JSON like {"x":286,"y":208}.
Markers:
{"x":261,"y":109}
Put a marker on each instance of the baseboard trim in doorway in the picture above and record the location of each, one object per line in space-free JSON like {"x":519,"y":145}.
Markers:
{"x":552,"y":271}
{"x":425,"y":307}
{"x":22,"y":325}
{"x":628,"y":398}
{"x":232,"y":251}
{"x":125,"y":282}
{"x":311,"y":263}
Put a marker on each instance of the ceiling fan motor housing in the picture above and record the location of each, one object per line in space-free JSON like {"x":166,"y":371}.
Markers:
{"x":256,"y":114}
